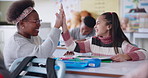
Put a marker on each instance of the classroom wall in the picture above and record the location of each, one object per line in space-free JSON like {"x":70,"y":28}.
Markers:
{"x":4,"y":5}
{"x":46,"y":10}
{"x":97,"y":7}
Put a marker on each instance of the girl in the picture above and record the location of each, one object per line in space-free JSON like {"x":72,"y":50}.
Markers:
{"x":109,"y":41}
{"x":26,"y":42}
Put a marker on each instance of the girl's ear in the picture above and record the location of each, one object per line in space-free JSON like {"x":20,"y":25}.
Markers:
{"x":109,"y":27}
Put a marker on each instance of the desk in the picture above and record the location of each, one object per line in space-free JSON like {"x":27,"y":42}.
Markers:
{"x":60,"y":51}
{"x":106,"y":70}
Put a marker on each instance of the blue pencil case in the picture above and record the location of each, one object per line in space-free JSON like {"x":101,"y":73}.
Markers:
{"x":93,"y":62}
{"x":77,"y":63}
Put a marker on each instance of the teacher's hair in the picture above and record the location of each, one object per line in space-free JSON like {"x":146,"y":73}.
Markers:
{"x":17,"y":8}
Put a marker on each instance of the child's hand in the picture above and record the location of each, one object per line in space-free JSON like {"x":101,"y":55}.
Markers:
{"x":64,"y":25}
{"x":63,"y":16}
{"x":120,"y":57}
{"x":69,"y":53}
{"x":59,"y":17}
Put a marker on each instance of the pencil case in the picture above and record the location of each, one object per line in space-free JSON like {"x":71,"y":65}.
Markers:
{"x":80,"y":64}
{"x":93,"y":62}
{"x":75,"y":64}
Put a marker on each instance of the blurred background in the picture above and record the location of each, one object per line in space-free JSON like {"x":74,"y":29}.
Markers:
{"x":132,"y":13}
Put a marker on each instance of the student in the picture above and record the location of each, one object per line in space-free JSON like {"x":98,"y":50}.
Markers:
{"x":26,"y":42}
{"x":109,"y":41}
{"x":4,"y":73}
{"x":85,"y":30}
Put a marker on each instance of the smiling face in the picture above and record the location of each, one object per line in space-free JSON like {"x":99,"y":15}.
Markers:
{"x":30,"y":25}
{"x":101,"y":27}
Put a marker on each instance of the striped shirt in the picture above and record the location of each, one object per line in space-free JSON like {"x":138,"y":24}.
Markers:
{"x":104,"y":47}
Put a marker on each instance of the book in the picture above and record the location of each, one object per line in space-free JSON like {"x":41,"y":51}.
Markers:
{"x":106,"y":59}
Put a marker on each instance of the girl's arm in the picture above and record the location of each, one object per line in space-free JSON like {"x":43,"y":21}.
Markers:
{"x":71,"y":45}
{"x":121,"y":57}
{"x":82,"y":47}
{"x":131,"y":52}
{"x":134,"y":52}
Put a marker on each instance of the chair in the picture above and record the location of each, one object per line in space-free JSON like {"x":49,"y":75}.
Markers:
{"x":59,"y":67}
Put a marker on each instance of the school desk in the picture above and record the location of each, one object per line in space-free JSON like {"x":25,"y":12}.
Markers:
{"x":106,"y":70}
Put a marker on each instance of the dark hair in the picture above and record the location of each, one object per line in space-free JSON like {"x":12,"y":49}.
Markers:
{"x":17,"y":8}
{"x":116,"y":32}
{"x":89,"y":21}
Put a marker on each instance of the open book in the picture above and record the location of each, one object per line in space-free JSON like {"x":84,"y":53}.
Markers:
{"x":106,"y":59}
{"x":99,"y":57}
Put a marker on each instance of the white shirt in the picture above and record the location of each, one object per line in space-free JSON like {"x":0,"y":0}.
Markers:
{"x":19,"y":46}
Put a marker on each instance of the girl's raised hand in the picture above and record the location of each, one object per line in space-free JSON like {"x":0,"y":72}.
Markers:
{"x":64,"y":25}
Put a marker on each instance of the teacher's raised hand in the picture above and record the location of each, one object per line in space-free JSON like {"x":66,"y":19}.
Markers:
{"x":59,"y":17}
